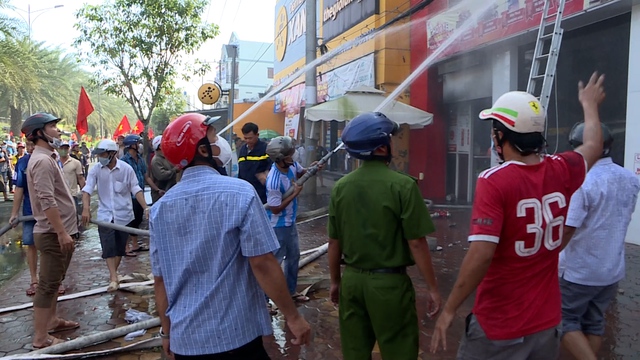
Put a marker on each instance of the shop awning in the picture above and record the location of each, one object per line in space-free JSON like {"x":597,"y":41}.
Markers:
{"x":366,"y":99}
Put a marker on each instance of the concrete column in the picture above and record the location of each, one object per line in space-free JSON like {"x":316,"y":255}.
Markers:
{"x":632,"y":140}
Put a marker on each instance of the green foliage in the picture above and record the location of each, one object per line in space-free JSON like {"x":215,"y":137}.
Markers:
{"x":9,"y":27}
{"x":174,"y":105}
{"x":139,"y":46}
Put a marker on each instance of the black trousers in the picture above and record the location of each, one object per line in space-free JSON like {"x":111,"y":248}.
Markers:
{"x":138,"y":213}
{"x":253,"y":350}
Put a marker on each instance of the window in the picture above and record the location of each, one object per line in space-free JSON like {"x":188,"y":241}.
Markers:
{"x":270,"y":73}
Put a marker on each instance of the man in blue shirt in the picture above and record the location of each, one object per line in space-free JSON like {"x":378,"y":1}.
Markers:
{"x":133,"y":158}
{"x":594,"y":233}
{"x":212,"y":256}
{"x":22,"y":193}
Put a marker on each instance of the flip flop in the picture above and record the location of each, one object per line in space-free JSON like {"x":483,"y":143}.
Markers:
{"x":141,"y":248}
{"x":50,"y":341}
{"x":31,"y":291}
{"x":64,"y":325}
{"x":130,"y":254}
{"x":272,"y":311}
{"x":299,"y":297}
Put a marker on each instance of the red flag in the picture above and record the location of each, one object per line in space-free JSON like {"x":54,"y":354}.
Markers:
{"x":151,"y":134}
{"x":123,"y":128}
{"x":85,"y":108}
{"x":138,"y":128}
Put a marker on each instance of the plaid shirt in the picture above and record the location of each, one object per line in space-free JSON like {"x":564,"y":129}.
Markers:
{"x":203,"y":232}
{"x":139,"y":167}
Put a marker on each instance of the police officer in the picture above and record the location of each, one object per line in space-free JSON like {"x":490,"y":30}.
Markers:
{"x":378,"y":221}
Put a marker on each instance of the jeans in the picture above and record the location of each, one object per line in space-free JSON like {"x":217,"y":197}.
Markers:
{"x":290,"y":251}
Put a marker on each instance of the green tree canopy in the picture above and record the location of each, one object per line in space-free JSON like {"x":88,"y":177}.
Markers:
{"x":139,"y":45}
{"x":174,"y":105}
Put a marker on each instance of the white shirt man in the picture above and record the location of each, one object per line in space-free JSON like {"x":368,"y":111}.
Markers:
{"x":116,"y":182}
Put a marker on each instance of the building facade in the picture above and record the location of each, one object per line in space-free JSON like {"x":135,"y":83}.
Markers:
{"x":494,"y":57}
{"x":254,"y":70}
{"x":382,"y":61}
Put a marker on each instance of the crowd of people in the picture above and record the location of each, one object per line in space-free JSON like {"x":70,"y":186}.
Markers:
{"x":539,"y":224}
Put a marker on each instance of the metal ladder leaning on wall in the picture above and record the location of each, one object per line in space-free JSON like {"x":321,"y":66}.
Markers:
{"x":547,"y":51}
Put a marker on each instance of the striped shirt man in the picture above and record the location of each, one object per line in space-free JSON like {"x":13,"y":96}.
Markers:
{"x":277,"y":184}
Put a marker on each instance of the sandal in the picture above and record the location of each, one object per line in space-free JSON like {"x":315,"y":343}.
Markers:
{"x":50,"y":341}
{"x":130,"y":254}
{"x":64,"y":325}
{"x":113,"y":286}
{"x":61,"y":290}
{"x":272,"y":311}
{"x":31,"y":291}
{"x":141,"y":248}
{"x":299,"y":297}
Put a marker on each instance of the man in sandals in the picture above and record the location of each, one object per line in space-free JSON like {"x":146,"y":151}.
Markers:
{"x":116,"y":182}
{"x":56,"y":225}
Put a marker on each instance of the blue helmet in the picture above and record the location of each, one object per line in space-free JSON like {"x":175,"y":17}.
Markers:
{"x":131,"y":140}
{"x":367,"y":132}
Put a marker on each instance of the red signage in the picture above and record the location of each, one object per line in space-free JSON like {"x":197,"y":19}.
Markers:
{"x":504,"y":19}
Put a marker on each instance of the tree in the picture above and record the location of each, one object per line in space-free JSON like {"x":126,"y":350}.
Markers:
{"x":9,"y":27}
{"x":37,"y":78}
{"x":139,"y":45}
{"x":174,"y":105}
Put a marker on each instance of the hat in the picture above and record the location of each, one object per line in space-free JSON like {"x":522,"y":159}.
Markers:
{"x":518,"y":111}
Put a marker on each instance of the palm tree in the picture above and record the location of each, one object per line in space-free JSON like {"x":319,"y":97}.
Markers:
{"x":9,"y":27}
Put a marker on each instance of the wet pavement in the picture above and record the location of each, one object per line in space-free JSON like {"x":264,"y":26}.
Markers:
{"x":106,"y":311}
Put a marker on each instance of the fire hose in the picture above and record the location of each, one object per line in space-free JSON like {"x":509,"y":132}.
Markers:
{"x":113,"y":226}
{"x":311,"y":171}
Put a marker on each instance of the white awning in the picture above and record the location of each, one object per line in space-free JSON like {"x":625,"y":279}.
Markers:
{"x":366,"y":99}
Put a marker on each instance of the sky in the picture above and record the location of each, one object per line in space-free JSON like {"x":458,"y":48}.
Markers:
{"x":251,"y":20}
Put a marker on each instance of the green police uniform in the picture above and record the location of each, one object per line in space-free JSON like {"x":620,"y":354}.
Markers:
{"x":373,"y":213}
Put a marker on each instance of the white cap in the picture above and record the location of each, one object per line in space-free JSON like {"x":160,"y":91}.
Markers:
{"x":155,"y":143}
{"x":104,"y":146}
{"x":519,"y":111}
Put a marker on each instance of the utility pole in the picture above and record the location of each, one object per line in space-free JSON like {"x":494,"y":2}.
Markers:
{"x":232,"y":50}
{"x":311,"y":141}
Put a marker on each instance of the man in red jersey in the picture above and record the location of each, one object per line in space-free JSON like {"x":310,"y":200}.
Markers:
{"x":516,"y":232}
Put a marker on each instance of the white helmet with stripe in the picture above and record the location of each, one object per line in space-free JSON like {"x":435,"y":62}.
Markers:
{"x":518,"y":111}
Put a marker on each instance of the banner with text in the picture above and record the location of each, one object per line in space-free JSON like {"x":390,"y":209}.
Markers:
{"x":504,"y":19}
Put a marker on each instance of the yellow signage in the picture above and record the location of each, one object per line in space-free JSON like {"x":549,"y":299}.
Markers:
{"x":281,"y":33}
{"x":209,"y":93}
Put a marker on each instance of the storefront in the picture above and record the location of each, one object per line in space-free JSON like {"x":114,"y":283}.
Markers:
{"x":382,"y":62}
{"x":495,"y":57}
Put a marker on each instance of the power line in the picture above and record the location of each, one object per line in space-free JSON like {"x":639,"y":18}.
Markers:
{"x":237,"y":11}
{"x":222,"y":12}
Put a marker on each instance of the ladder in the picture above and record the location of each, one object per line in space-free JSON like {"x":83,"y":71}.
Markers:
{"x":547,"y":51}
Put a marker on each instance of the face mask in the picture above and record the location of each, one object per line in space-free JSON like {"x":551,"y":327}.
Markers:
{"x":63,"y":153}
{"x":225,"y":150}
{"x":104,"y":161}
{"x":53,"y":142}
